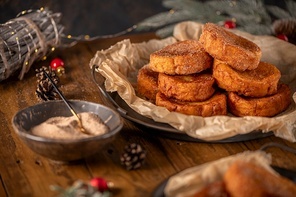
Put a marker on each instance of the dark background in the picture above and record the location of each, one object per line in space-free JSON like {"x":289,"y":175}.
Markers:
{"x":92,"y":17}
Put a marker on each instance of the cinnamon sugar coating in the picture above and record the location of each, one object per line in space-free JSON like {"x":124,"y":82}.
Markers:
{"x":260,"y":82}
{"x":238,"y":52}
{"x":247,"y":179}
{"x":181,"y":58}
{"x":216,"y":105}
{"x":195,"y":87}
{"x":147,"y":83}
{"x":264,"y":106}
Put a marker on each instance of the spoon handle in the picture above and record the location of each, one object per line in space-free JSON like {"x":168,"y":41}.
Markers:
{"x":60,"y":94}
{"x":66,"y":102}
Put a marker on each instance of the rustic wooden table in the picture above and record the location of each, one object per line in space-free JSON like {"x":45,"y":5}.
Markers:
{"x":24,"y":173}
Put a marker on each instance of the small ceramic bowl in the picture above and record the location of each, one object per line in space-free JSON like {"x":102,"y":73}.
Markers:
{"x":62,"y":149}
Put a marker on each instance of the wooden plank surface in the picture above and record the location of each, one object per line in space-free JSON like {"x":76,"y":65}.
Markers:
{"x":25,"y":173}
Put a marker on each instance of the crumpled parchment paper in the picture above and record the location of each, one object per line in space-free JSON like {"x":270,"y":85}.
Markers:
{"x":119,"y":65}
{"x":191,"y":180}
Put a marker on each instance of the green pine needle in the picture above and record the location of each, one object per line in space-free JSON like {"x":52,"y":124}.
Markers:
{"x":252,"y":16}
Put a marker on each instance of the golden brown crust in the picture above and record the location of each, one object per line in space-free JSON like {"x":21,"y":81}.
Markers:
{"x":195,"y":87}
{"x":147,"y":83}
{"x":265,"y":106}
{"x":247,"y":179}
{"x":216,"y":105}
{"x":238,"y":52}
{"x":181,"y":58}
{"x":259,"y":82}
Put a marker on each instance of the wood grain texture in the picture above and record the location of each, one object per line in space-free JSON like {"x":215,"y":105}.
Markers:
{"x":24,"y":173}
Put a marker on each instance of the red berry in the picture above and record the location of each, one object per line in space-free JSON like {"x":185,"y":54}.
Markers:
{"x":282,"y":37}
{"x":56,"y":63}
{"x":229,"y":24}
{"x":99,"y":183}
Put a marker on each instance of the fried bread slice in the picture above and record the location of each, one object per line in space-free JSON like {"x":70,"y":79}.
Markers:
{"x":238,"y":52}
{"x":181,"y":58}
{"x":247,"y":179}
{"x":260,"y":82}
{"x":216,"y":105}
{"x":195,"y":87}
{"x":147,"y":83}
{"x":265,"y":106}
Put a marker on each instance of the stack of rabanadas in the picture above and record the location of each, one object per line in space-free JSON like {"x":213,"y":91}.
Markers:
{"x":219,"y":73}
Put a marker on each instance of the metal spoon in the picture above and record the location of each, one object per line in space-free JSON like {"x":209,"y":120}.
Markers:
{"x":68,"y":105}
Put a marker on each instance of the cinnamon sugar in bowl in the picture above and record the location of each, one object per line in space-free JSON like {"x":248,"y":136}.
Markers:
{"x":65,"y":147}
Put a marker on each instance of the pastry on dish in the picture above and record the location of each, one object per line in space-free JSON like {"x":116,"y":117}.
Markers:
{"x":238,"y":52}
{"x":147,"y":83}
{"x":247,"y":179}
{"x":195,"y":87}
{"x":216,"y":105}
{"x":264,"y":106}
{"x":260,"y":82}
{"x":181,"y":58}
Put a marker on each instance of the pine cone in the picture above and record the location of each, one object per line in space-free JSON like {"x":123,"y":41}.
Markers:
{"x":41,"y":76}
{"x":286,"y":27}
{"x":133,"y":156}
{"x":45,"y":90}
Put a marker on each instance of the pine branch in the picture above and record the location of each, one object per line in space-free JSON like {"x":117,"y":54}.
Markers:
{"x":252,"y":16}
{"x":277,"y":12}
{"x":259,"y":29}
{"x":181,"y":11}
{"x":166,"y":31}
{"x":163,"y":19}
{"x":291,"y":7}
